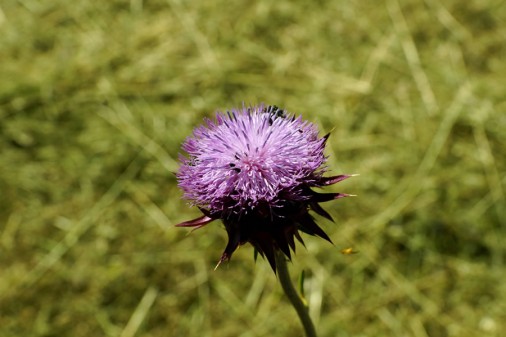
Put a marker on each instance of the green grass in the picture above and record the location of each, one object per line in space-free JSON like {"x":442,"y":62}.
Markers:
{"x":96,"y":98}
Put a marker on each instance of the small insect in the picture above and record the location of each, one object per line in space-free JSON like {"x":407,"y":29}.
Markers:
{"x":348,"y":251}
{"x":274,"y":113}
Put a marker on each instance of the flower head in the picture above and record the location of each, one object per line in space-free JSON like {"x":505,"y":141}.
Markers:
{"x":254,"y":168}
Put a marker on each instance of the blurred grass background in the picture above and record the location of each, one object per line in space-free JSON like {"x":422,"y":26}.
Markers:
{"x":97,"y":96}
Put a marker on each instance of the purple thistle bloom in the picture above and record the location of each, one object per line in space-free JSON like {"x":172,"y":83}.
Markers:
{"x":254,"y":168}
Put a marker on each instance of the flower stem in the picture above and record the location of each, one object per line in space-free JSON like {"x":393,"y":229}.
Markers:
{"x":293,"y":296}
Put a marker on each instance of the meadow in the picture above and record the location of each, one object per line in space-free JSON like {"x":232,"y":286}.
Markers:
{"x":96,"y":98}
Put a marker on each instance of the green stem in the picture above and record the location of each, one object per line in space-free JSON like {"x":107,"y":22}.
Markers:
{"x":293,"y":296}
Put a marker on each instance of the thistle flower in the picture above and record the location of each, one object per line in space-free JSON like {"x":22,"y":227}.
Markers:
{"x":254,"y":169}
